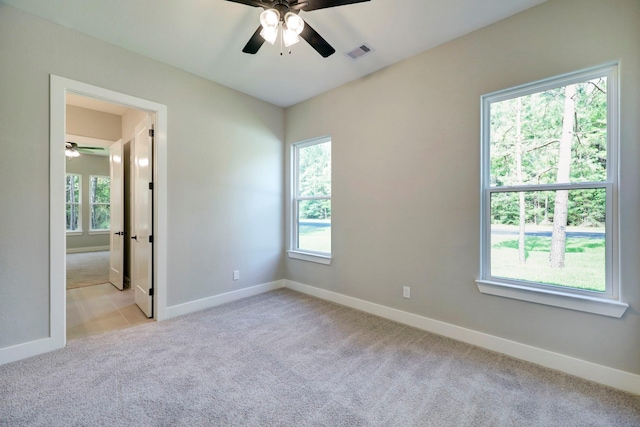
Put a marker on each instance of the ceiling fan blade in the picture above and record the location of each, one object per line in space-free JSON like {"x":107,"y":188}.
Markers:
{"x":255,"y":42}
{"x":89,"y":148}
{"x":255,"y":3}
{"x":323,"y":4}
{"x":316,"y":41}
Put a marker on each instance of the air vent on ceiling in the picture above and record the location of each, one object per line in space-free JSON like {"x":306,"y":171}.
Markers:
{"x":360,"y":51}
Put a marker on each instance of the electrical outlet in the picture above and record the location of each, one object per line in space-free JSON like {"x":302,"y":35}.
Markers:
{"x":236,"y":274}
{"x":406,"y":292}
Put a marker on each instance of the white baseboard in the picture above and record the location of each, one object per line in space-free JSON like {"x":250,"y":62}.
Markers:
{"x":28,"y":349}
{"x":580,"y":368}
{"x":204,"y":303}
{"x":87,"y":249}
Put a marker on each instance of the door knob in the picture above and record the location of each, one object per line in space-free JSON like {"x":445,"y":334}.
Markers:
{"x":134,"y":238}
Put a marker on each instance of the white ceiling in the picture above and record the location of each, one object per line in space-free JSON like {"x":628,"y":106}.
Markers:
{"x":206,"y":37}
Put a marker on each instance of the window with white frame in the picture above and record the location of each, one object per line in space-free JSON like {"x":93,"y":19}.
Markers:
{"x":73,"y":187}
{"x":549,"y":189}
{"x":99,"y":203}
{"x":311,"y":207}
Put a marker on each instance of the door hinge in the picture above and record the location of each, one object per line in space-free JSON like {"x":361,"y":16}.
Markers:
{"x":151,"y":186}
{"x":150,"y":239}
{"x":151,"y":133}
{"x":150,"y":292}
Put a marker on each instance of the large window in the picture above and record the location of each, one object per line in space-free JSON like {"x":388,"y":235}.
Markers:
{"x":99,"y":203}
{"x":73,"y":188}
{"x":549,"y":174}
{"x":311,"y":210}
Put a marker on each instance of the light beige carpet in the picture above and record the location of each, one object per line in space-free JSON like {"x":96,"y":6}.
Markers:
{"x":87,"y":268}
{"x":286,"y":359}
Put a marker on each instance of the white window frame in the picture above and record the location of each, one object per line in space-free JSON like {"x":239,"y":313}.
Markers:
{"x":77,"y":231}
{"x":607,"y":303}
{"x":295,"y":252}
{"x":91,"y":204}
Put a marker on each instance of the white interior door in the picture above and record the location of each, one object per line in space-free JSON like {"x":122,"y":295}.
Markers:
{"x":116,"y":242}
{"x":142,"y":217}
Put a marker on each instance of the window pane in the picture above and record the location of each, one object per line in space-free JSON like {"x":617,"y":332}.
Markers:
{"x":73,"y":217}
{"x":530,"y":146}
{"x":100,"y":189}
{"x":579,"y":258}
{"x":72,"y":188}
{"x":314,"y":170}
{"x":100,"y":217}
{"x":314,"y":225}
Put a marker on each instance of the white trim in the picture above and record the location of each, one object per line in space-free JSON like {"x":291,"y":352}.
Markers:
{"x":540,"y":292}
{"x":87,"y":249}
{"x":307,"y":256}
{"x":554,"y":82}
{"x":587,"y":185}
{"x":580,"y":368}
{"x":25,"y":350}
{"x":57,"y":214}
{"x":75,"y":233}
{"x":204,"y":303}
{"x":161,"y":228}
{"x":99,"y":232}
{"x":296,"y":252}
{"x":602,"y":306}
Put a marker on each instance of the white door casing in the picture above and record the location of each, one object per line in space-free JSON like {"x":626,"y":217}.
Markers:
{"x":141,"y":216}
{"x":59,"y":87}
{"x":116,"y":241}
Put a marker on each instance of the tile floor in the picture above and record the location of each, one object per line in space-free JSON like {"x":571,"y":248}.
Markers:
{"x":101,"y":308}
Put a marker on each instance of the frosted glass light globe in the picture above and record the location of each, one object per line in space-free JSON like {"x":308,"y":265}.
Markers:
{"x":270,"y":18}
{"x":294,"y":22}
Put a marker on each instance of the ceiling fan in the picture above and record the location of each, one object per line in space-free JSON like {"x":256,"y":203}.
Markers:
{"x":72,"y":149}
{"x":282,"y":16}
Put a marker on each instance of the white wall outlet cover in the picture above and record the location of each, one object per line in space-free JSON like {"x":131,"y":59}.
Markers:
{"x":236,"y":274}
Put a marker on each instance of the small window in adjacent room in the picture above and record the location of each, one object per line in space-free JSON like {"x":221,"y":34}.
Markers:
{"x":311,"y":201}
{"x":549,"y":189}
{"x":99,"y":201}
{"x":73,"y":188}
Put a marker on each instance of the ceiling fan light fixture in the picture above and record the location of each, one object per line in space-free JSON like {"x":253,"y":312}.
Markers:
{"x":270,"y":19}
{"x":269,"y":34}
{"x":289,"y":37}
{"x":70,"y":152}
{"x":294,"y":22}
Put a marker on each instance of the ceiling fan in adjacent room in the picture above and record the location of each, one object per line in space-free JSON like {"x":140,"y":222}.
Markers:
{"x":281,"y":17}
{"x":73,"y":150}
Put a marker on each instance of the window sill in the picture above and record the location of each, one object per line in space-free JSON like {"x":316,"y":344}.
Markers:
{"x":306,"y":256}
{"x":99,"y":232}
{"x":602,"y":306}
{"x":75,"y":233}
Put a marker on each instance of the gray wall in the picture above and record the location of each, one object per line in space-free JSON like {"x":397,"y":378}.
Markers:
{"x":406,"y":158}
{"x":225,"y":165}
{"x":86,"y":165}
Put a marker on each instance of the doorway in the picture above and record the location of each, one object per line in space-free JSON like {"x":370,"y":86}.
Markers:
{"x":99,"y":140}
{"x":60,"y":88}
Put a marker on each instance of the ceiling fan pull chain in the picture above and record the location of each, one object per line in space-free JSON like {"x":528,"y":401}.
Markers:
{"x":281,"y":38}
